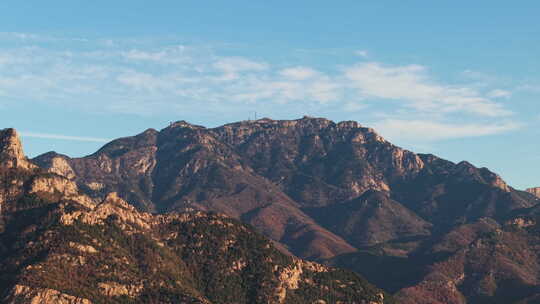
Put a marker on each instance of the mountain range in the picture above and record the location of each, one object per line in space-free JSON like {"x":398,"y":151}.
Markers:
{"x":58,"y":245}
{"x":423,"y":228}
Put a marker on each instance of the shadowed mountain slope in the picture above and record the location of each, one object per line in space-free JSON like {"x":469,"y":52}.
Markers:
{"x":371,"y":219}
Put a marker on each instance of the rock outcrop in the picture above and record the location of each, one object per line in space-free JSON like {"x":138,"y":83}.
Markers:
{"x":55,"y":163}
{"x":11,"y":151}
{"x":26,"y":294}
{"x":534,"y":191}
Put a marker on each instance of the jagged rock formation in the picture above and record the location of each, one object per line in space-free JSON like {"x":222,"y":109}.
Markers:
{"x":57,"y":164}
{"x":26,"y":294}
{"x":12,"y":155}
{"x":13,"y":167}
{"x":60,"y":246}
{"x":332,"y":192}
{"x":534,"y":191}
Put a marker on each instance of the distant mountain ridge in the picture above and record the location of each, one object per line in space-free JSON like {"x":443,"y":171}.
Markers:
{"x":326,"y":191}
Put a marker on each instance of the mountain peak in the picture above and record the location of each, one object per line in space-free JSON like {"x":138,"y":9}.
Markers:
{"x":150,"y":131}
{"x":349,"y":124}
{"x":10,"y":144}
{"x":55,"y":163}
{"x":11,"y":151}
{"x":184,"y":124}
{"x":307,"y":117}
{"x":315,"y":120}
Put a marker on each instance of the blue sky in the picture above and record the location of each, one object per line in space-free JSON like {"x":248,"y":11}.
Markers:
{"x":457,"y":79}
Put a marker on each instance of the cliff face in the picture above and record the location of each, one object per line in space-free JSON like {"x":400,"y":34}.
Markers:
{"x":534,"y":191}
{"x":60,"y":246}
{"x":14,"y":168}
{"x":11,"y":151}
{"x":326,"y":191}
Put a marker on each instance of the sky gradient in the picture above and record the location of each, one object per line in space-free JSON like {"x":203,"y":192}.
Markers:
{"x":459,"y":80}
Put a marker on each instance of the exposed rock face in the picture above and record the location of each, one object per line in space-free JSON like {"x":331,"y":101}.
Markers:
{"x":11,"y":151}
{"x":534,"y":191}
{"x":26,"y":294}
{"x":57,"y":186}
{"x":83,"y":248}
{"x":111,"y":205}
{"x":292,"y":277}
{"x":14,"y":166}
{"x":55,"y":163}
{"x":114,"y":289}
{"x":52,"y":184}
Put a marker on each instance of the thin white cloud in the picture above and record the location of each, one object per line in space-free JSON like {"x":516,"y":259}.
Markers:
{"x":354,"y":106}
{"x":237,"y":64}
{"x":411,"y":84}
{"x":62,"y":137}
{"x":316,"y":90}
{"x":231,"y":66}
{"x":23,"y":36}
{"x":362,"y":53}
{"x":298,"y":73}
{"x":144,"y":81}
{"x":168,"y":55}
{"x":31,"y":38}
{"x":498,"y":93}
{"x":428,"y":131}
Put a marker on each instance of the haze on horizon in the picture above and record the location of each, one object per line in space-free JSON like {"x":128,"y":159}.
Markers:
{"x":460,"y":80}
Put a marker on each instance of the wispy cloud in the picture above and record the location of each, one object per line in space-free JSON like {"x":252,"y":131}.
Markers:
{"x":168,"y":55}
{"x":63,"y":137}
{"x":362,"y":53}
{"x":151,"y":78}
{"x":298,"y":73}
{"x":412,"y":85}
{"x":498,"y":93}
{"x":426,"y":131}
